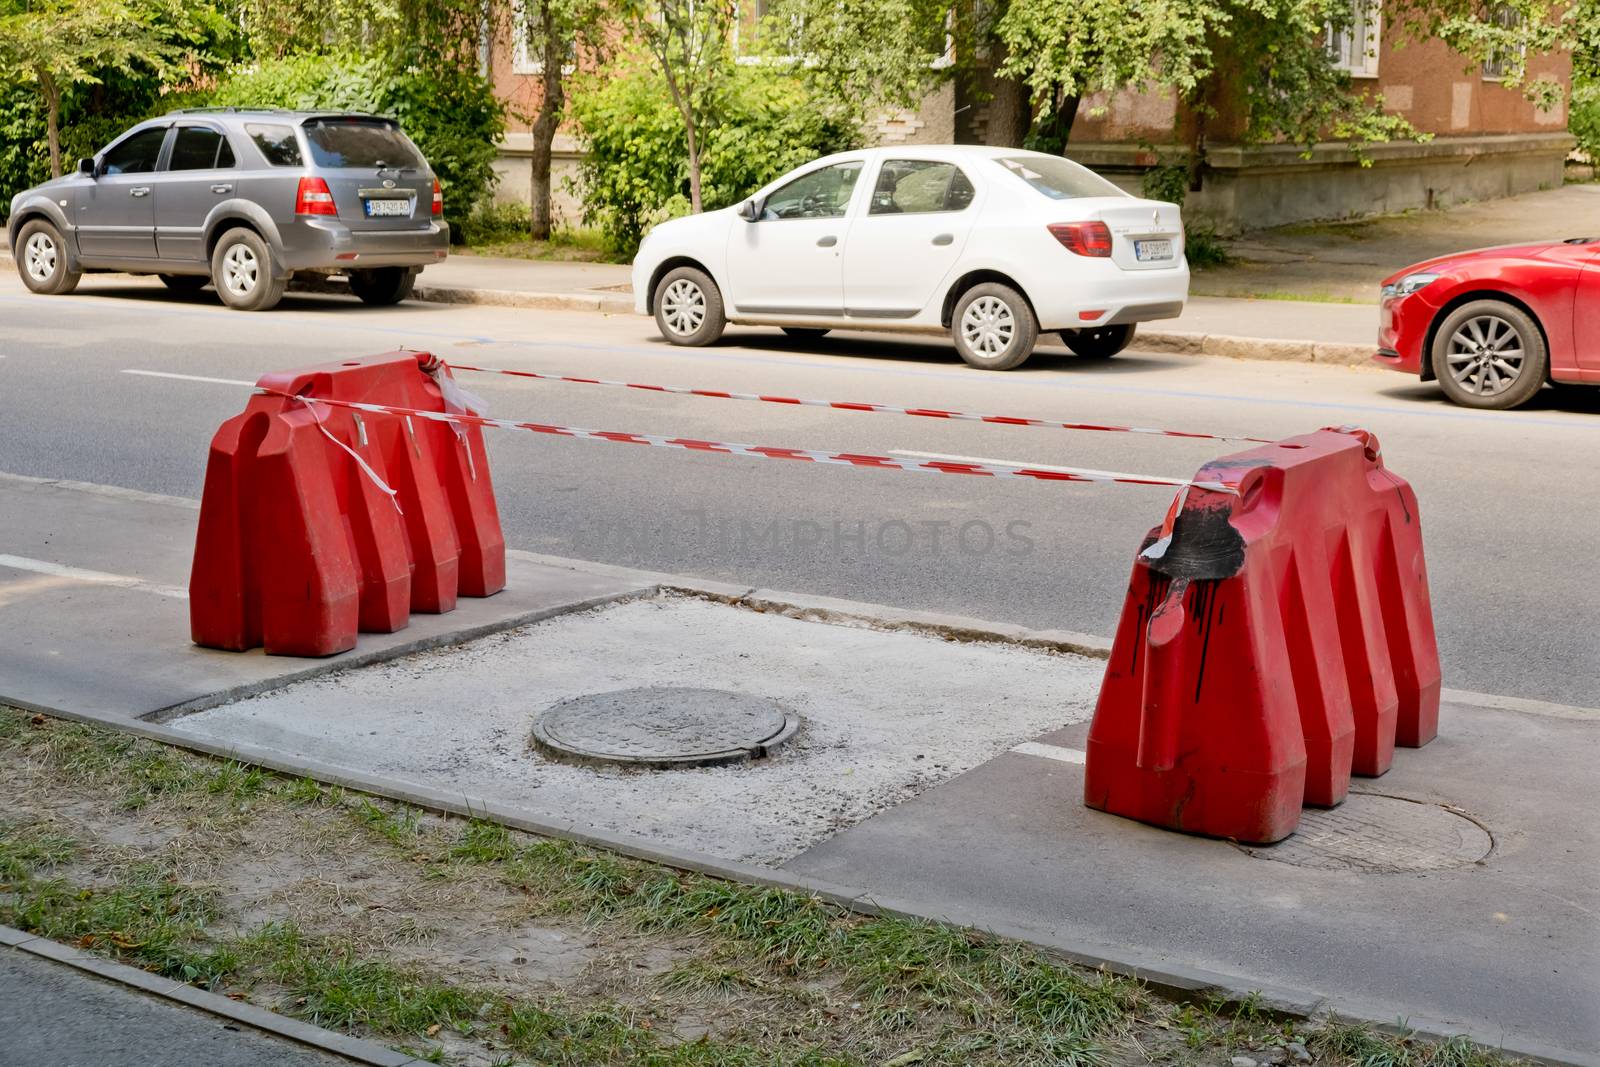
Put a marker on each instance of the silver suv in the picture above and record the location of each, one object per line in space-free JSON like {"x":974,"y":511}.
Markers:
{"x":242,"y":199}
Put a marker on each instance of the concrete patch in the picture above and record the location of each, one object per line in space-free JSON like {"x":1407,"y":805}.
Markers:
{"x":886,"y":716}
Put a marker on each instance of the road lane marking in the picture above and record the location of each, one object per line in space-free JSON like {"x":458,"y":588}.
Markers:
{"x":79,"y":574}
{"x":863,"y":364}
{"x":190,"y":377}
{"x":1156,"y":479}
{"x":1055,"y":752}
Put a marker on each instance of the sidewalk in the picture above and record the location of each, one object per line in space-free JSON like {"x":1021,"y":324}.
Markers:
{"x":937,"y":774}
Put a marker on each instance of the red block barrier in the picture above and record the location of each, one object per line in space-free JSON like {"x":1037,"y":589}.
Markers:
{"x":299,"y":547}
{"x":1272,"y":643}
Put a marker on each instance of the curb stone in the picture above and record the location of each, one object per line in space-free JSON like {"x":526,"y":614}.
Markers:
{"x":356,"y":1049}
{"x":1167,"y":342}
{"x":1173,"y":980}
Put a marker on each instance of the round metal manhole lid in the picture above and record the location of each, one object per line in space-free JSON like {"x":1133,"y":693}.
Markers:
{"x":1381,"y":834}
{"x":661,"y":726}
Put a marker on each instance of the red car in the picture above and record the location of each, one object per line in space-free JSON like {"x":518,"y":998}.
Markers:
{"x":1493,"y":325}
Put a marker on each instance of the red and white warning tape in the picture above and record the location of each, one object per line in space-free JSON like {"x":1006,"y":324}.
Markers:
{"x":804,"y":455}
{"x":845,"y":405}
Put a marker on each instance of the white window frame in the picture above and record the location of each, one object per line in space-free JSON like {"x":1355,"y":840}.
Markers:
{"x":1493,"y":69}
{"x":1355,"y":48}
{"x":521,"y":61}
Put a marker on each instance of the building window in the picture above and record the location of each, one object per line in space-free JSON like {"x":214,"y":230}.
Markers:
{"x":1505,"y":17}
{"x":1354,"y":47}
{"x":523,"y":61}
{"x":747,"y":26}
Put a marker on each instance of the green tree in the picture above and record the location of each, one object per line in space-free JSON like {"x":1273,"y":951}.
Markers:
{"x":558,"y":32}
{"x":58,"y":44}
{"x":690,"y":41}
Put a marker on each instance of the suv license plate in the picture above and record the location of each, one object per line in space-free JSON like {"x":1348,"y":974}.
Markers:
{"x":1150,"y":251}
{"x":393,"y":207}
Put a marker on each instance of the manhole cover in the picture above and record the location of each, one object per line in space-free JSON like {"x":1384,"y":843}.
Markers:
{"x":1382,"y":834}
{"x":663,"y":727}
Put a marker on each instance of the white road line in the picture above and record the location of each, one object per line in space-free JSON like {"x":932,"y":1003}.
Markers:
{"x":189,"y":377}
{"x":1055,"y":752}
{"x":78,"y":574}
{"x":1037,"y":466}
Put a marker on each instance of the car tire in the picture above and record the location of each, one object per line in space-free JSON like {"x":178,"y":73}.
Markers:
{"x":383,"y":286}
{"x":42,"y":259}
{"x":1098,"y":342}
{"x":184,"y":283}
{"x":243,"y":271}
{"x":689,"y":307}
{"x":993,"y":327}
{"x":805,"y":333}
{"x":1489,"y":354}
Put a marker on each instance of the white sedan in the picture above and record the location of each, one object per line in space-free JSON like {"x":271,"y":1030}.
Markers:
{"x":995,"y":245}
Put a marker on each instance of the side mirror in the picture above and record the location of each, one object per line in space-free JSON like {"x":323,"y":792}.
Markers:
{"x":750,"y":211}
{"x":86,"y":166}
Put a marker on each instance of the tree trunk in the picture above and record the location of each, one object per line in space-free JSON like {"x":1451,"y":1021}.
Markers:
{"x":694,"y":162}
{"x":1009,"y":113}
{"x":52,"y":102}
{"x":544,"y":130}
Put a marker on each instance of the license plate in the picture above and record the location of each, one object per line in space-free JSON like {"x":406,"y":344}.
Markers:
{"x":1150,"y":251}
{"x":388,"y":207}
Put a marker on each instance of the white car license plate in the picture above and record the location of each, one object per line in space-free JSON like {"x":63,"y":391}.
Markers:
{"x":1151,"y":251}
{"x":388,"y":207}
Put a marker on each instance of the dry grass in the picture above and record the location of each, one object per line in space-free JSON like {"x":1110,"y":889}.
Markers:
{"x":467,"y":943}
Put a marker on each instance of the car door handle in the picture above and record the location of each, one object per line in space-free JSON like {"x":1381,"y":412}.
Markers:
{"x":143,"y":190}
{"x":222,"y":188}
{"x":827,"y":242}
{"x":945,"y":239}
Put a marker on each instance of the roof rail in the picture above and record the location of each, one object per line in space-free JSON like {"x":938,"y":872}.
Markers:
{"x":215,"y":110}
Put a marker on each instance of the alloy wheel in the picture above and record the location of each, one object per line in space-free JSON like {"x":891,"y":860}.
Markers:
{"x":988,"y":326}
{"x":683,"y":306}
{"x":1485,"y":355}
{"x":240,"y":270}
{"x":39,"y":257}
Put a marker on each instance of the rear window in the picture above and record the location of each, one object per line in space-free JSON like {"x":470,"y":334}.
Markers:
{"x":1057,"y":178}
{"x":277,"y":144}
{"x":360,"y":144}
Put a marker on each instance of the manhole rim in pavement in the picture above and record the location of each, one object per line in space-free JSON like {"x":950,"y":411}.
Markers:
{"x":1288,"y":851}
{"x":783,"y":723}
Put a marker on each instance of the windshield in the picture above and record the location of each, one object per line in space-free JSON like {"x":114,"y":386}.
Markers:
{"x":360,"y":144}
{"x":1057,"y":178}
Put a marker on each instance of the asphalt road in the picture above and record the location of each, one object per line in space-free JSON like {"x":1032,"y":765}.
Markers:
{"x":1508,"y":499}
{"x":54,"y":1016}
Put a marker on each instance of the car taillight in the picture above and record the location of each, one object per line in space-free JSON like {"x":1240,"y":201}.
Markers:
{"x":313,"y":198}
{"x":438,"y":198}
{"x":1083,"y":238}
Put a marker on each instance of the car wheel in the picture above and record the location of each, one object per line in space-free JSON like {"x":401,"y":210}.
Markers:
{"x":184,"y":283}
{"x":1489,"y":354}
{"x":383,"y":286}
{"x":993,"y":327}
{"x":1099,"y":342}
{"x":243,"y":272}
{"x":804,"y":333}
{"x":689,"y":307}
{"x":42,"y":260}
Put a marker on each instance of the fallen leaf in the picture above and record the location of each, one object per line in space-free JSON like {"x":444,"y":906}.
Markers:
{"x":434,"y":1029}
{"x":37,"y":720}
{"x":236,"y":996}
{"x":905,"y":1059}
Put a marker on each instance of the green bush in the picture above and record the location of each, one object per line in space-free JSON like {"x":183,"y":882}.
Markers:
{"x":761,"y":124}
{"x":453,"y":115}
{"x":1583,"y":118}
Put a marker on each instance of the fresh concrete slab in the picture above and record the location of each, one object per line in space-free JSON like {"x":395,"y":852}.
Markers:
{"x":1420,"y":924}
{"x":884,"y":716}
{"x":92,"y":602}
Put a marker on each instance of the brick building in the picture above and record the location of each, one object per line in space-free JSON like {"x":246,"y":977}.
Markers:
{"x":1487,"y":140}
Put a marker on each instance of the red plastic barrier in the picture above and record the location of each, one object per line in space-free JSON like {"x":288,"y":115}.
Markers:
{"x":299,"y":547}
{"x":1272,"y":643}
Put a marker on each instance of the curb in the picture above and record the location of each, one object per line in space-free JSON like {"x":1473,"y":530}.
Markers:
{"x":1166,"y":342}
{"x":355,"y":1049}
{"x":1173,"y":980}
